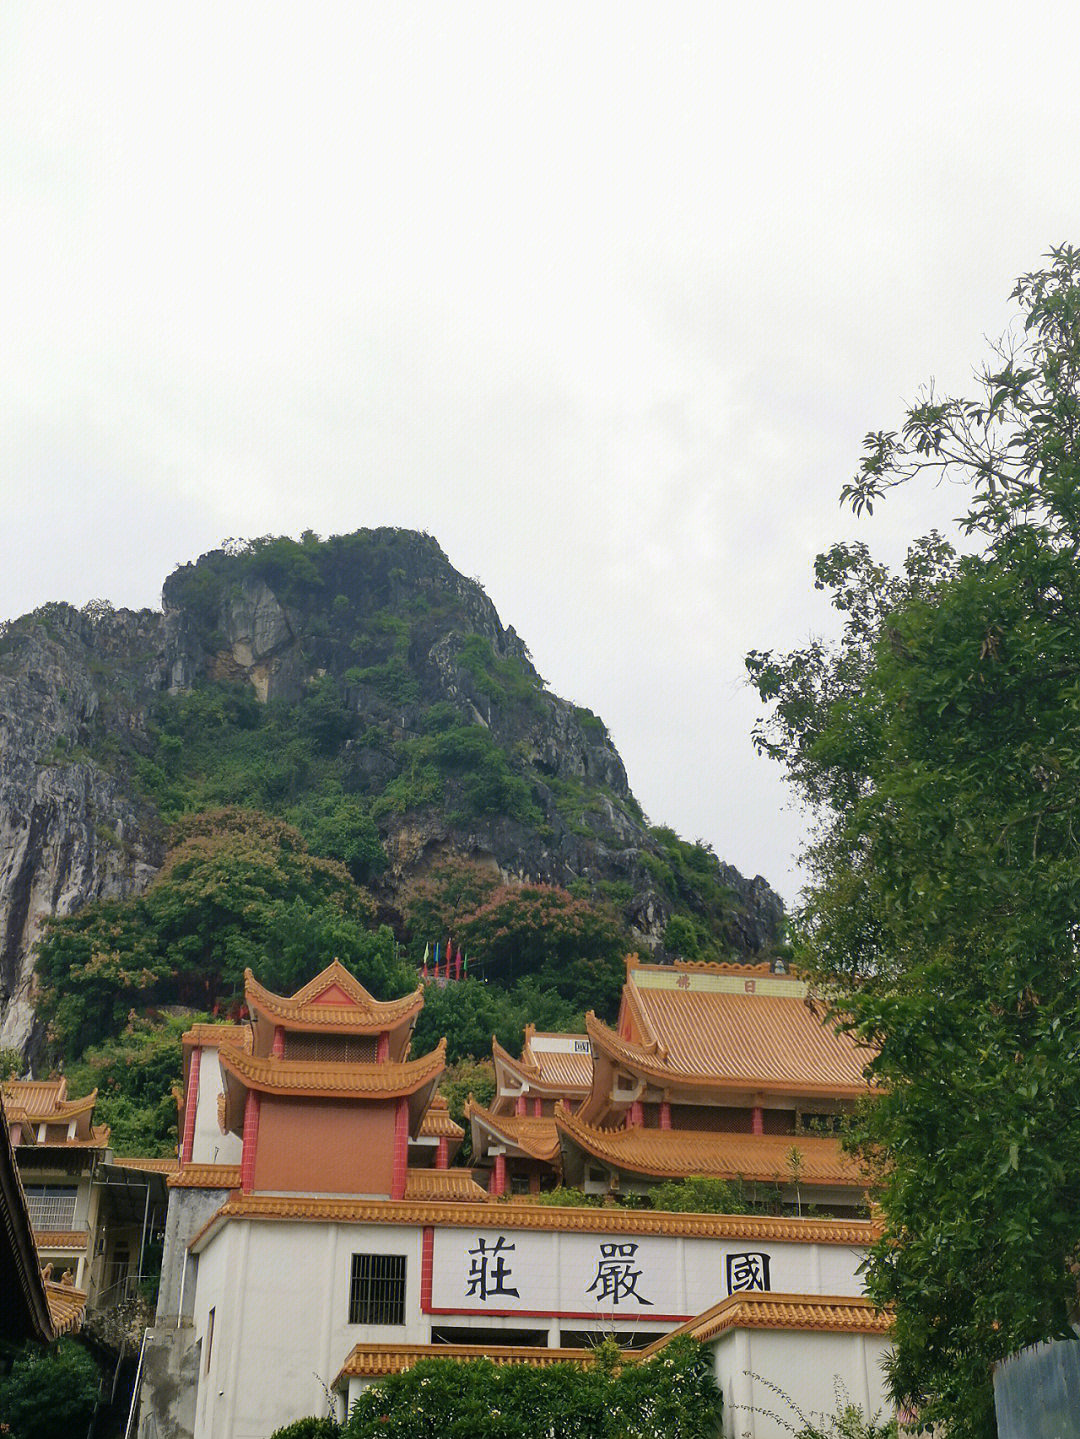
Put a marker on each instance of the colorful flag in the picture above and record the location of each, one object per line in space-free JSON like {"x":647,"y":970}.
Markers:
{"x":457,"y":964}
{"x":427,"y":956}
{"x":436,"y":959}
{"x":465,"y":967}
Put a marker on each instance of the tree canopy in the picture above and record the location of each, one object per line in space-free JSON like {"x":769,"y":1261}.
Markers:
{"x":938,"y":745}
{"x":672,"y":1396}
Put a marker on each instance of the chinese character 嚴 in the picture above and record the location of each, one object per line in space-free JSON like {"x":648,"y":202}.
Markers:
{"x":747,"y":1271}
{"x":489,"y":1270}
{"x":616,"y":1277}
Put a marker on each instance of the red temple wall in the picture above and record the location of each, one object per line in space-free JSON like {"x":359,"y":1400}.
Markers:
{"x":319,"y":1146}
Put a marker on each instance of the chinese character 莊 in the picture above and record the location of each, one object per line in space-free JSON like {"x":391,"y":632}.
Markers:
{"x":747,"y":1271}
{"x":616,"y":1278}
{"x":489,"y":1270}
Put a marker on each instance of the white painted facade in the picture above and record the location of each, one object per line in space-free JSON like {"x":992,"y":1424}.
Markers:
{"x":210,"y":1145}
{"x":278,"y":1290}
{"x":810,"y":1368}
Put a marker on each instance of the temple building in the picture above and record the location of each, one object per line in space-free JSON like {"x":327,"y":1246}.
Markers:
{"x":94,"y":1216}
{"x":724,"y":1071}
{"x":319,"y":1235}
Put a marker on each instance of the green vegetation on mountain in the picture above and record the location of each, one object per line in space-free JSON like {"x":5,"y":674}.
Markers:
{"x":939,"y":745}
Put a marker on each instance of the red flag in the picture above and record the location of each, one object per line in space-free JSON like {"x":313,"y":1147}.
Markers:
{"x":457,"y":964}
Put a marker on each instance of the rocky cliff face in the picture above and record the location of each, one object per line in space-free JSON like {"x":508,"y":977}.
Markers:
{"x":398,"y":635}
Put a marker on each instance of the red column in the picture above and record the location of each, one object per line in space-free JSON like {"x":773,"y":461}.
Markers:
{"x":635,"y":1115}
{"x":251,"y":1141}
{"x":427,"y":1265}
{"x":191,"y":1104}
{"x":442,"y":1153}
{"x":665,"y":1115}
{"x":382,"y":1048}
{"x":401,"y":1149}
{"x":519,"y":1106}
{"x":757,"y":1120}
{"x":538,"y":1112}
{"x":277,"y":1049}
{"x":498,"y":1176}
{"x":16,"y":1134}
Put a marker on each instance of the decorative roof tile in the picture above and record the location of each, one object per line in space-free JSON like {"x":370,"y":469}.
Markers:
{"x":217,"y":1036}
{"x":329,"y":1079}
{"x":676,"y":1153}
{"x":615,"y":1220}
{"x":376,"y":1361}
{"x":453,"y":1185}
{"x":437,"y":1123}
{"x":206,"y":1176}
{"x":60,"y":1238}
{"x":45,"y":1100}
{"x":333,"y":1000}
{"x":152,"y":1166}
{"x":836,"y":1314}
{"x":537,"y":1137}
{"x":722,"y":1041}
{"x":66,"y":1306}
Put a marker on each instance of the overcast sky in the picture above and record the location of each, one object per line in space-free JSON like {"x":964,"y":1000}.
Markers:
{"x":602,"y":296}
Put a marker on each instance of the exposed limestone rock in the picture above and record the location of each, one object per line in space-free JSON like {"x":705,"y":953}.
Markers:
{"x":77,"y":690}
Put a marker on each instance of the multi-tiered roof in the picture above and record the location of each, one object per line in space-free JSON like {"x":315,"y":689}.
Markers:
{"x":719,"y":1070}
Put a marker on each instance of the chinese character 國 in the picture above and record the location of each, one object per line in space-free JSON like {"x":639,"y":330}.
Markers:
{"x":747,"y":1271}
{"x":489,"y":1271}
{"x":616,"y":1278}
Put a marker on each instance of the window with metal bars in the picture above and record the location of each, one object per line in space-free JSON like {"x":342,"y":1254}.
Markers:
{"x":51,"y":1206}
{"x":377,"y":1289}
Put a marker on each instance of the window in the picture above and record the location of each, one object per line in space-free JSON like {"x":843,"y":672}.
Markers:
{"x":51,"y":1206}
{"x":209,"y":1337}
{"x":377,"y":1289}
{"x":337,"y":1048}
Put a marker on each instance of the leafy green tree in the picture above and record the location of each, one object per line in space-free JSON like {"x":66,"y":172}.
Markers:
{"x":49,"y":1392}
{"x":12,"y":1063}
{"x":672,"y":1396}
{"x":939,"y":744}
{"x":575,"y":947}
{"x":312,"y":1428}
{"x":134,"y":1075}
{"x":237,"y":890}
{"x":698,"y":1195}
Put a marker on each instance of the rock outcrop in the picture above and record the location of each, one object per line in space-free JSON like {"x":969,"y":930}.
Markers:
{"x":381,"y":617}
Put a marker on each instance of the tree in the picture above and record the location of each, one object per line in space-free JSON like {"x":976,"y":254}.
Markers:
{"x":237,"y":889}
{"x":938,"y":744}
{"x":49,"y":1392}
{"x":673,"y":1396}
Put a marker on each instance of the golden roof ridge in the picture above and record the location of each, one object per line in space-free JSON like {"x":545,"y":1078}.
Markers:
{"x":492,"y":1214}
{"x":389,"y":1078}
{"x":752,"y":1309}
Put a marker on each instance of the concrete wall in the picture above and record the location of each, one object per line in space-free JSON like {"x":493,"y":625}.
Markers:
{"x":809,"y":1368}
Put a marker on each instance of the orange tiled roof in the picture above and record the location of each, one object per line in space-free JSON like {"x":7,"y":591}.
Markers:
{"x":329,"y":1079}
{"x":675,"y":1153}
{"x":722,"y":1041}
{"x":836,"y":1314}
{"x":153,"y":1166}
{"x":615,"y":1220}
{"x":66,"y":1306}
{"x":45,"y":1100}
{"x":558,"y":1071}
{"x":219,"y":1035}
{"x":437,"y":1123}
{"x":206,"y":1176}
{"x":456,"y":1185}
{"x":351,"y":1007}
{"x":372,"y":1361}
{"x":60,"y":1238}
{"x":537,"y":1137}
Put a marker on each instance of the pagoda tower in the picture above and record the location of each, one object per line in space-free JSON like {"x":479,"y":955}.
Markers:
{"x":327,"y":1100}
